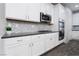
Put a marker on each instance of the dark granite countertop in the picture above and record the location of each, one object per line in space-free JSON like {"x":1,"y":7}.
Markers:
{"x":24,"y":34}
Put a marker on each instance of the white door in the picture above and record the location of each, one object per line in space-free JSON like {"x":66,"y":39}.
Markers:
{"x":17,"y":50}
{"x":38,"y":45}
{"x":34,"y":12}
{"x":48,"y":42}
{"x":43,"y":7}
{"x":61,"y":11}
{"x":55,"y":41}
{"x":48,"y":8}
{"x":51,"y":41}
{"x":16,"y":11}
{"x":19,"y":46}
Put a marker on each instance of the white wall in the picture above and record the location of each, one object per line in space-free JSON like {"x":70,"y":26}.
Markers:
{"x":75,"y":34}
{"x":2,"y":25}
{"x":75,"y":19}
{"x":2,"y":19}
{"x":68,"y":24}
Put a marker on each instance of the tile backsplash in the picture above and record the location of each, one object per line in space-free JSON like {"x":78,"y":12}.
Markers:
{"x":19,"y":27}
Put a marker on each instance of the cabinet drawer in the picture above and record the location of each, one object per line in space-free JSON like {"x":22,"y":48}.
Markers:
{"x":40,"y":37}
{"x":12,"y":41}
{"x":36,"y":38}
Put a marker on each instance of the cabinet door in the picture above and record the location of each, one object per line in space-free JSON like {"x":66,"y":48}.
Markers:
{"x":54,"y":37}
{"x":19,"y":47}
{"x":17,"y":50}
{"x":38,"y":45}
{"x":16,"y":11}
{"x":43,"y":7}
{"x":48,"y":8}
{"x":52,"y":13}
{"x":61,"y":11}
{"x":51,"y":41}
{"x":34,"y":12}
{"x":48,"y":42}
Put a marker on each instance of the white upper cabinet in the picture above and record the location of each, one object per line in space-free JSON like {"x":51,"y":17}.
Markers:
{"x":59,"y":11}
{"x":22,"y":11}
{"x":16,"y":10}
{"x":37,"y":45}
{"x":43,"y":8}
{"x":62,"y":12}
{"x":52,"y":13}
{"x":28,"y":11}
{"x":47,"y":8}
{"x":33,"y":12}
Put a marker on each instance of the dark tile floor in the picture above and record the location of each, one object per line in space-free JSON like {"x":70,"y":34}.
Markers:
{"x":69,"y":49}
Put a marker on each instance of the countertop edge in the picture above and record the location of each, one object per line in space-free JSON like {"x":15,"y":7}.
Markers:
{"x":5,"y":37}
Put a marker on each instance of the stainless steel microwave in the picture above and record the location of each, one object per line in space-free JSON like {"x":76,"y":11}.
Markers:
{"x":45,"y":18}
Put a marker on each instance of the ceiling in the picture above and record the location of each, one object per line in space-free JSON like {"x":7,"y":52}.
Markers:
{"x":73,"y":6}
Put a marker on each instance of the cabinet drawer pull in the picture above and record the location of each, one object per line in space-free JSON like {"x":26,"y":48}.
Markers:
{"x":38,"y":36}
{"x":29,"y":45}
{"x":19,"y":40}
{"x":51,"y":39}
{"x":32,"y":44}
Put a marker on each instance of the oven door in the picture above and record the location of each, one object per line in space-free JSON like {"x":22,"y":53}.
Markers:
{"x":61,"y":30}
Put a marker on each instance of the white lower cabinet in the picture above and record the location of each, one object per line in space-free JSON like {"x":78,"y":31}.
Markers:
{"x":18,"y":50}
{"x":51,"y":41}
{"x":30,"y":45}
{"x":19,"y":47}
{"x":38,"y":45}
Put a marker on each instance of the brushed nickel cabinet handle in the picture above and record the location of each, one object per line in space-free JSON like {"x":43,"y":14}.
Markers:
{"x":38,"y":36}
{"x":32,"y":44}
{"x":50,"y":38}
{"x":19,"y":40}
